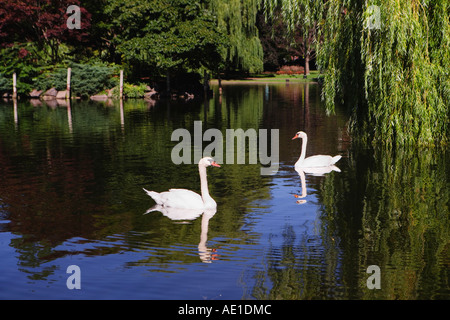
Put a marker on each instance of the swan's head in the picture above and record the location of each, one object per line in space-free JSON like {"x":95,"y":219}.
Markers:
{"x":299,"y":134}
{"x":208,"y":161}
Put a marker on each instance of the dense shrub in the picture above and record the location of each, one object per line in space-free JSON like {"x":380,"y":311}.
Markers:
{"x":35,"y":72}
{"x":130,"y":90}
{"x":5,"y":84}
{"x":85,"y":79}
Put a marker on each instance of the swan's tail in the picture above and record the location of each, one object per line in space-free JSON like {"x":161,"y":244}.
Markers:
{"x":156,"y":207}
{"x":155,"y":196}
{"x":336,"y":168}
{"x":335,"y":159}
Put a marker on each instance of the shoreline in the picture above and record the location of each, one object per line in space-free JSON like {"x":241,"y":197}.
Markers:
{"x":314,"y":77}
{"x":264,"y":80}
{"x":53,"y":94}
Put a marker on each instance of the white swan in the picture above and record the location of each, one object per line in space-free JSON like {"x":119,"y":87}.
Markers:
{"x":187,"y":199}
{"x":313,"y":161}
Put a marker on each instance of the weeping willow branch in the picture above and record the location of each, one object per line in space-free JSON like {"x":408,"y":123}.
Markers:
{"x":402,"y":61}
{"x":386,"y":61}
{"x":237,"y":20}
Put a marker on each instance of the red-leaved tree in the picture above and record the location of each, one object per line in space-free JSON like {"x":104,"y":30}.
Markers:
{"x":43,"y":22}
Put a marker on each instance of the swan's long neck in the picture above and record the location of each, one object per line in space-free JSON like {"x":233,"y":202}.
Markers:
{"x":303,"y":154}
{"x":204,"y":184}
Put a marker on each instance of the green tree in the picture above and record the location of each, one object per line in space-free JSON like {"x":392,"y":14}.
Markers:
{"x":302,"y":19}
{"x":165,"y":36}
{"x":237,"y":20}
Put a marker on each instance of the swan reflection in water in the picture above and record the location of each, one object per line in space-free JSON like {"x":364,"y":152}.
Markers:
{"x":187,"y":215}
{"x":315,"y":171}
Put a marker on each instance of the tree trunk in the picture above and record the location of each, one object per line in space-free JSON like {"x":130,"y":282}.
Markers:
{"x":220,"y":83}
{"x":168,"y":83}
{"x":306,"y":70}
{"x":205,"y":82}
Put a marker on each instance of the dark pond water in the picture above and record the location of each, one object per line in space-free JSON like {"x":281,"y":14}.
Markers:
{"x":71,"y":180}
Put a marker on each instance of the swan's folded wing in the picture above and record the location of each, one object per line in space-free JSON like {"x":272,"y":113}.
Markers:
{"x":182,"y":190}
{"x":317,"y":161}
{"x":182,"y":198}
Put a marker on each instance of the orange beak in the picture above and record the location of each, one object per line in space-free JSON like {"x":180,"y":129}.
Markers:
{"x":215,"y":164}
{"x":295,"y":137}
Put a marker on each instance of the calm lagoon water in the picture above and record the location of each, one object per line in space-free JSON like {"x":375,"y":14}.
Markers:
{"x":71,"y":179}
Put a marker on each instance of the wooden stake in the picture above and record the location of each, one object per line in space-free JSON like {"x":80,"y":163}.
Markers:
{"x":14,"y":95}
{"x":69,"y":71}
{"x":121,"y":85}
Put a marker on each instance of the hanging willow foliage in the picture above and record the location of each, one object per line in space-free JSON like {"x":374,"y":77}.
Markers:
{"x":303,"y":14}
{"x":388,"y":62}
{"x":237,"y":20}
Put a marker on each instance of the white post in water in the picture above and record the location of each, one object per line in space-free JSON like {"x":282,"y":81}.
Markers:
{"x":14,"y":95}
{"x":69,"y":71}
{"x":121,"y":85}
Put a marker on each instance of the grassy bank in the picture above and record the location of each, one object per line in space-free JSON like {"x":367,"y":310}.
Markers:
{"x":314,"y":76}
